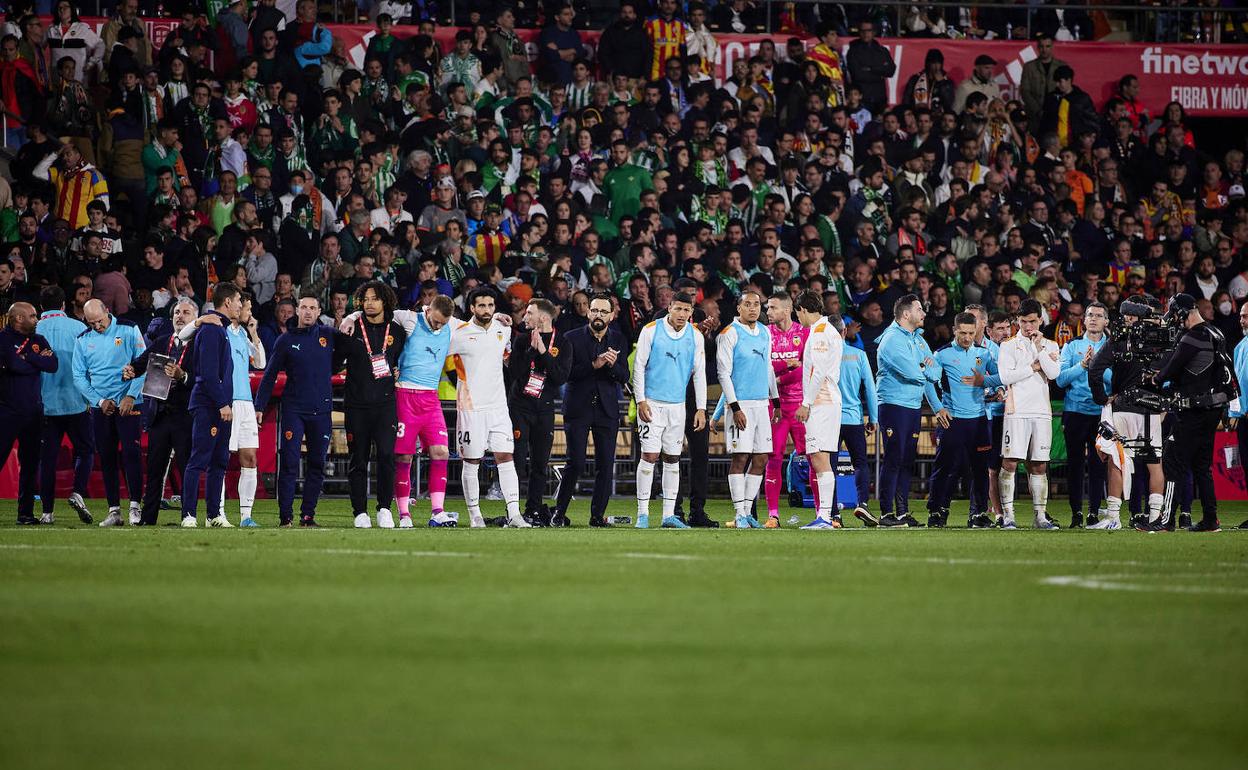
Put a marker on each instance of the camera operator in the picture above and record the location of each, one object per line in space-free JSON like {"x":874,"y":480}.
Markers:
{"x":1198,"y":371}
{"x":1138,"y":428}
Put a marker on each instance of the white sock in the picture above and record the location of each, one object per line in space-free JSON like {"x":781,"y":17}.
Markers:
{"x":1154,"y":506}
{"x":671,"y":487}
{"x":1039,"y":485}
{"x":752,"y":485}
{"x":1005,"y":485}
{"x":645,"y":485}
{"x":736,"y":490}
{"x":472,"y":488}
{"x":247,"y":479}
{"x":509,"y":483}
{"x":1112,"y":506}
{"x":827,"y":493}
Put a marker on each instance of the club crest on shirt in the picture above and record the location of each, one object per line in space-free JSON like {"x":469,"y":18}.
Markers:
{"x":324,"y":342}
{"x":797,"y":340}
{"x":500,"y":336}
{"x":889,"y":432}
{"x":290,"y":435}
{"x":389,"y":339}
{"x":978,"y":360}
{"x":213,"y":431}
{"x":117,"y":341}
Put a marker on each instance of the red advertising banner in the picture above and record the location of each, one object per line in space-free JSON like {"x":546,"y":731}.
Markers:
{"x":1208,"y":80}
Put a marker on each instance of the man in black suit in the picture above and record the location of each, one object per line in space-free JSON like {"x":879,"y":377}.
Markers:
{"x":599,"y":367}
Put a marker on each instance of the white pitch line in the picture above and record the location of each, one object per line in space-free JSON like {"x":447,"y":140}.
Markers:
{"x":1101,"y":584}
{"x":957,"y":562}
{"x":220,"y":549}
{"x":663,"y":556}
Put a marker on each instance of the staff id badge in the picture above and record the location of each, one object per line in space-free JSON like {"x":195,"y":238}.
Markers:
{"x":533,"y":388}
{"x":381,"y":368}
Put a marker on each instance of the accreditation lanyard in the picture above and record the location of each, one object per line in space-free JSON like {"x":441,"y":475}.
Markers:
{"x":172,"y":339}
{"x":381,"y":369}
{"x":537,"y":380}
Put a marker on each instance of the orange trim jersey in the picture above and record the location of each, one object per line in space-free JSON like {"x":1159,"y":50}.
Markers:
{"x":479,"y":356}
{"x":667,"y":38}
{"x":74,"y":190}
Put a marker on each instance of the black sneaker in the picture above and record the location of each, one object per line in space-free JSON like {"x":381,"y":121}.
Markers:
{"x":1076,"y":521}
{"x":864,"y":515}
{"x":1149,"y":526}
{"x":1093,"y":518}
{"x":1244,"y":525}
{"x":27,"y":521}
{"x":934,"y":521}
{"x":944,"y":517}
{"x":910,"y":521}
{"x":1204,"y":525}
{"x":285,"y":523}
{"x":700,"y":519}
{"x":596,"y":521}
{"x":307,"y":521}
{"x":979,"y":521}
{"x":536,"y":519}
{"x":1138,"y":520}
{"x":1185,"y":520}
{"x":559,"y":519}
{"x":891,"y":520}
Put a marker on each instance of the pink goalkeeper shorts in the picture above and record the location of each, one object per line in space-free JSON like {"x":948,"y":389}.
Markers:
{"x":420,"y":418}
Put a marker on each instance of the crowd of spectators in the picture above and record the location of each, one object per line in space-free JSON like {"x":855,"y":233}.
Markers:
{"x":252,"y":150}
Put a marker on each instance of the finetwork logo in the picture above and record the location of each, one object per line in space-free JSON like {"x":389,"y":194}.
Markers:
{"x":1157,"y":62}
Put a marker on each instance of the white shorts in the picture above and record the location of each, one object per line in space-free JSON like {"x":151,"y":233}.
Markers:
{"x":1026,"y":438}
{"x":823,"y":429}
{"x":666,"y":430}
{"x":756,"y":437}
{"x":1129,"y":425}
{"x":244,"y":430}
{"x":484,"y":430}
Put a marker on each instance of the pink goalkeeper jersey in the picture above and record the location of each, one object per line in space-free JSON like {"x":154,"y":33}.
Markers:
{"x":785,"y":347}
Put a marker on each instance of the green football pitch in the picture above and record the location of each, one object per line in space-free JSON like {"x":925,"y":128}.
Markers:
{"x":337,"y":648}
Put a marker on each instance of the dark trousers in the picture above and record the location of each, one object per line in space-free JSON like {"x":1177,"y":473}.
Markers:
{"x":1190,"y":449}
{"x":900,"y":428}
{"x":169,"y":441}
{"x":209,"y":458}
{"x":1080,"y":433}
{"x":854,"y":440}
{"x":25,"y":428}
{"x":369,"y":429}
{"x":699,"y":443}
{"x":295,"y":428}
{"x":965,"y":443}
{"x":577,"y":432}
{"x":535,"y":434}
{"x":1241,"y":436}
{"x":78,"y":428}
{"x":113,"y":431}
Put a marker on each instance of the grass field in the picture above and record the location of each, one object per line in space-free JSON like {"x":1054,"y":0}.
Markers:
{"x":579,"y":648}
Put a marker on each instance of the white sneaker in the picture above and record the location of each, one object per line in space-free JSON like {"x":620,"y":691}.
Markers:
{"x":362,"y":521}
{"x":385,"y":519}
{"x":47,"y":518}
{"x":478,"y":522}
{"x":1106,"y":523}
{"x":495,"y":492}
{"x":80,"y":507}
{"x":518,"y":522}
{"x":136,"y":515}
{"x":188,"y":522}
{"x":113,"y":519}
{"x":220,"y":522}
{"x":405,"y":522}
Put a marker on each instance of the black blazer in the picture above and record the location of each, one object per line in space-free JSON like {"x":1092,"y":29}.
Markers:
{"x":594,"y":394}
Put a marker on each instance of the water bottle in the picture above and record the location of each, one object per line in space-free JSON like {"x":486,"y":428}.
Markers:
{"x":619,"y":519}
{"x":794,"y":520}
